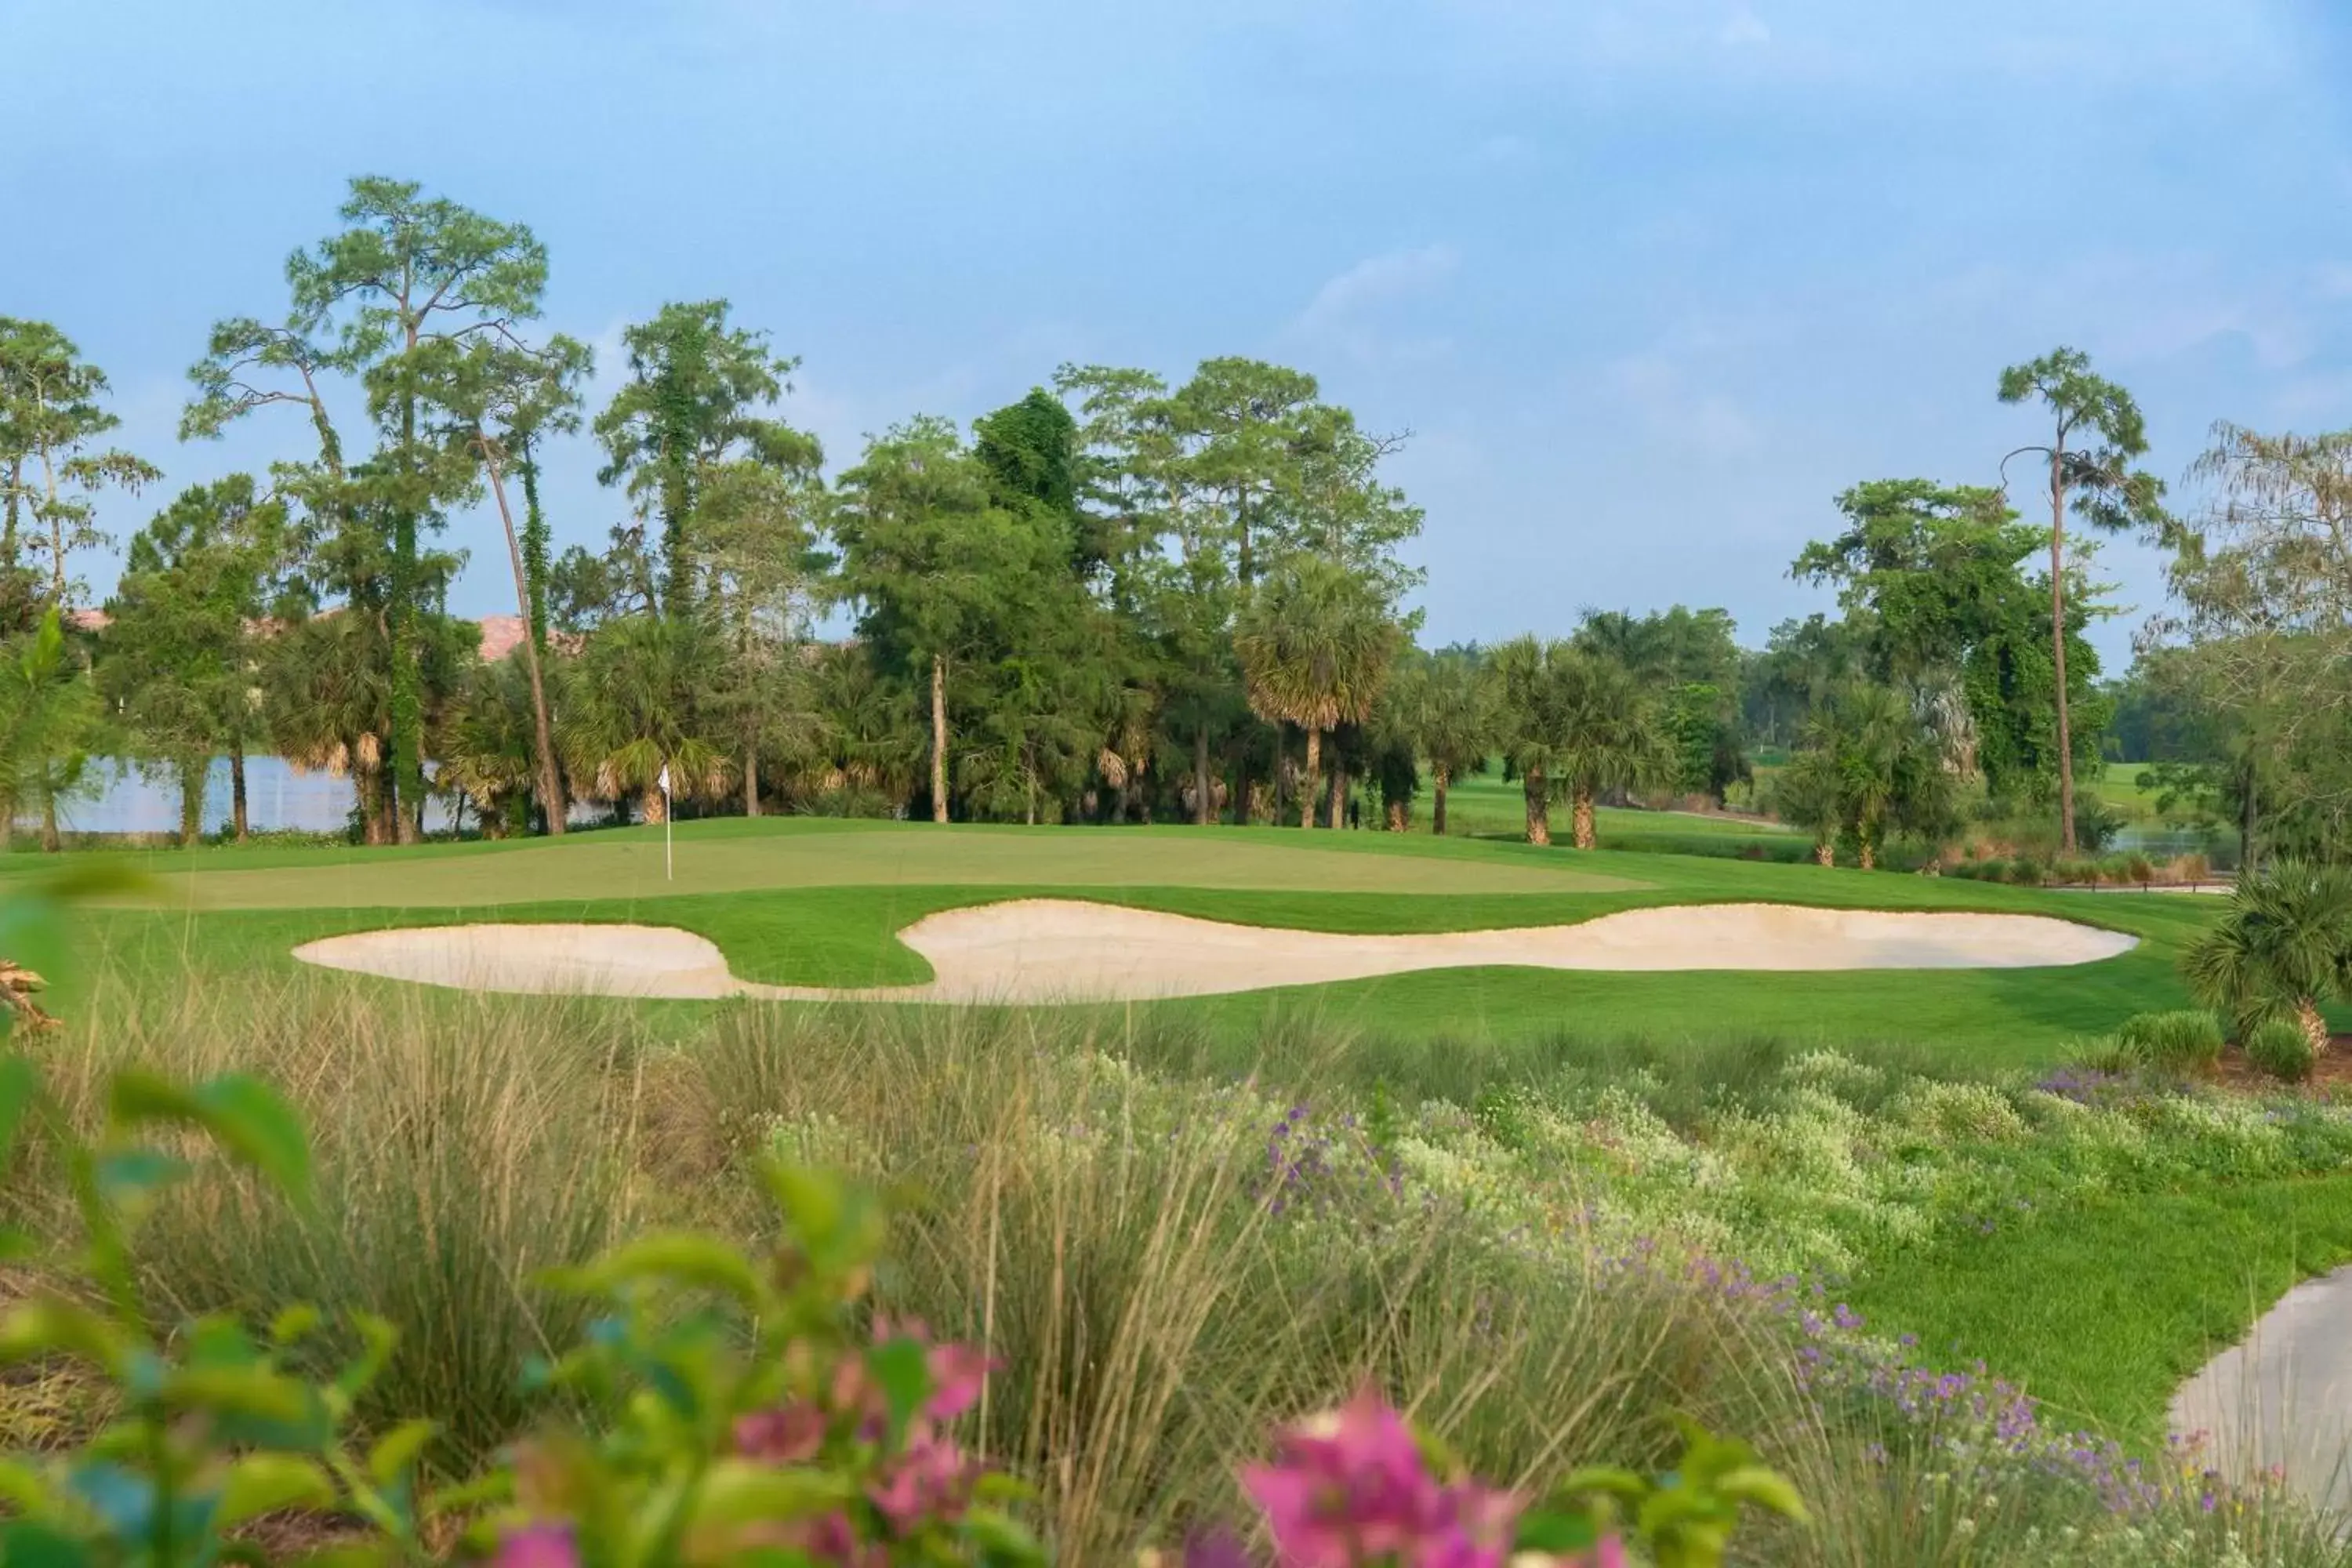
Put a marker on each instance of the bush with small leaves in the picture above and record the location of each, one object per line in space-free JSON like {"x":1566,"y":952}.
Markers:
{"x":2187,"y":1041}
{"x":2280,"y":1048}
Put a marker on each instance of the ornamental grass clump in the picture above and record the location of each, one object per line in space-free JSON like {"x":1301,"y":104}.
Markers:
{"x":2187,"y":1041}
{"x":2279,"y":1048}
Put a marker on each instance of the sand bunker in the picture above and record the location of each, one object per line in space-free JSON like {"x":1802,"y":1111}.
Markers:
{"x":1054,"y":950}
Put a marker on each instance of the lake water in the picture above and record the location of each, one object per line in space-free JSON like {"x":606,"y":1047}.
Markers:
{"x":118,"y":798}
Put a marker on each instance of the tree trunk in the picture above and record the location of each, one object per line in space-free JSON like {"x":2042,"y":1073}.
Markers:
{"x":371,"y":808}
{"x":2314,"y":1026}
{"x":652,"y":804}
{"x":1202,"y":811}
{"x":550,"y":783}
{"x":1396,"y":816}
{"x":939,"y":737}
{"x":1338,"y":815}
{"x":2246,"y":825}
{"x":1586,"y":838}
{"x":192,"y":802}
{"x":1307,"y":783}
{"x":1868,"y":857}
{"x":534,"y":548}
{"x":2058,"y":648}
{"x":1242,"y":804}
{"x":50,"y":842}
{"x":1538,"y":808}
{"x":1437,"y":812}
{"x":236,"y":799}
{"x":750,"y":781}
{"x":1824,"y":852}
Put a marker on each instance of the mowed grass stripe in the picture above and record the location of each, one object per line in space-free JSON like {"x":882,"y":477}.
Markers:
{"x":789,"y":855}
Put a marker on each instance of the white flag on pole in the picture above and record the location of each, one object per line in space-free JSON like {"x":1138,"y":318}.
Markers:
{"x":664,"y":781}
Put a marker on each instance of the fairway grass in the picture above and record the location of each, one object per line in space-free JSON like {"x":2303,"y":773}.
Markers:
{"x":786,"y":853}
{"x":759,"y":890}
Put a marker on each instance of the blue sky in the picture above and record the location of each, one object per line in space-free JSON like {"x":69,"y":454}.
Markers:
{"x":1650,"y":280}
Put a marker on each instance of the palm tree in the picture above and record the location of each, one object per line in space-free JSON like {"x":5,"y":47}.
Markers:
{"x":1315,"y":645}
{"x":633,"y":714}
{"x":327,"y":703}
{"x":1525,"y":704}
{"x":1808,"y":793}
{"x":2284,"y":946}
{"x":46,"y":712}
{"x":1869,"y":766}
{"x":489,"y":752}
{"x":1577,"y":723}
{"x":1442,"y":706}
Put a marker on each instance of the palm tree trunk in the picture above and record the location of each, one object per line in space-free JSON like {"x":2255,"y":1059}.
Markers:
{"x":1307,"y":783}
{"x":750,"y":781}
{"x":1586,"y":838}
{"x":2314,"y":1026}
{"x":1201,"y":810}
{"x":1437,"y":813}
{"x":1824,"y":852}
{"x":939,"y":737}
{"x":237,"y":810}
{"x":50,"y":843}
{"x":551,"y":783}
{"x":1868,"y":857}
{"x":1538,"y":807}
{"x":1339,"y":816}
{"x":653,"y":805}
{"x":1396,"y":816}
{"x":1242,"y":806}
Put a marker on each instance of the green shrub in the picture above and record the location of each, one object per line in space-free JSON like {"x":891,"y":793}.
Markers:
{"x":2281,"y":1049}
{"x":2189,"y":1040}
{"x":2027,"y":872}
{"x":2138,"y":870}
{"x":2075,"y":873}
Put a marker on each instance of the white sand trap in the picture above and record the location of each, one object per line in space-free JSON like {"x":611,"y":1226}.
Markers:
{"x":1055,"y":950}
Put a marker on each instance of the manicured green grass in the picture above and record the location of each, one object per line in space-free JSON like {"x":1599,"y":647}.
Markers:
{"x":1487,"y":805}
{"x":801,"y":901}
{"x":2101,"y":1308}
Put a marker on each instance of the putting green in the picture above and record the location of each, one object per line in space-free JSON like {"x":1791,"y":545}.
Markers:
{"x":786,"y":854}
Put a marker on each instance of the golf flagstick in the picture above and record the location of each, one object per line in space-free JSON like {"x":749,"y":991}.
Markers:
{"x":669,"y":871}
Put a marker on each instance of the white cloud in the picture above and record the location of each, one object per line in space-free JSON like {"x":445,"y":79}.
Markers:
{"x":1345,"y":311}
{"x":1745,"y":29}
{"x":1659,"y":391}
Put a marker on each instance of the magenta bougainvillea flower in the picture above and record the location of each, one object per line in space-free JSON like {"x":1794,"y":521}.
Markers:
{"x":1351,"y":1488}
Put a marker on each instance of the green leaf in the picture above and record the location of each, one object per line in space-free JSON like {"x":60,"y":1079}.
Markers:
{"x":741,"y":1492}
{"x":1555,"y":1533}
{"x":396,"y":1453}
{"x":47,"y":1326}
{"x":902,"y":1371}
{"x":1607,"y":1479}
{"x":20,"y":1086}
{"x":255,"y":1393}
{"x":295,"y":1322}
{"x":24,"y":1544}
{"x":245,"y":1116}
{"x":269,"y":1483}
{"x":679,"y":1258}
{"x":1767,"y":1489}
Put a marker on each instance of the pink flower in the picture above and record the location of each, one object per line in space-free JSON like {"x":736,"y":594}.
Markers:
{"x":1349,"y":1487}
{"x":538,"y":1545}
{"x":957,"y":1373}
{"x":791,"y":1434}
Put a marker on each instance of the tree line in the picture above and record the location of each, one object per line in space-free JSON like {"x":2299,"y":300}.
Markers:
{"x":1122,"y":597}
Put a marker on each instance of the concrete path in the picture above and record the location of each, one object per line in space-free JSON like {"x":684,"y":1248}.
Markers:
{"x":2283,"y":1397}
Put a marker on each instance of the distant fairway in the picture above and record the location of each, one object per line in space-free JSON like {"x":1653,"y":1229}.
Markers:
{"x":787,"y":853}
